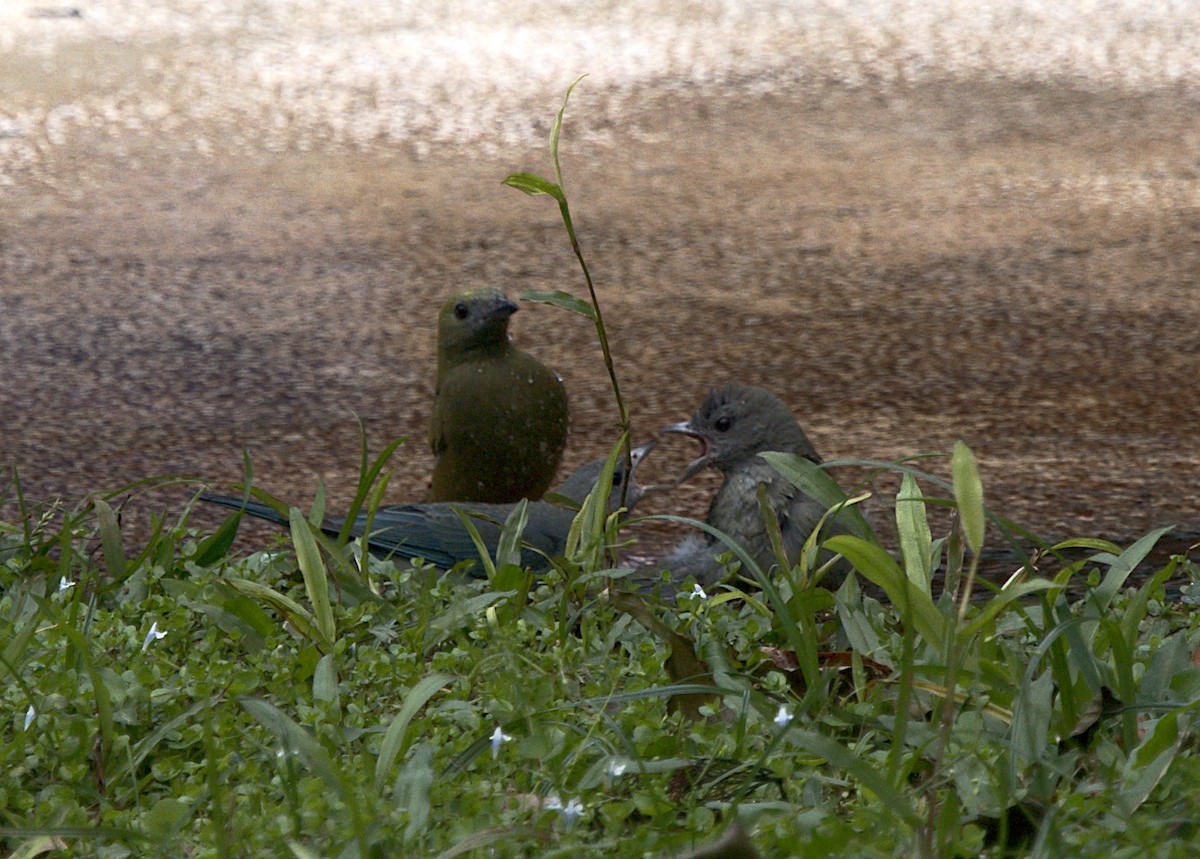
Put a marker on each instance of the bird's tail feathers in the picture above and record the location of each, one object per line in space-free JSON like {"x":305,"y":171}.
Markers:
{"x":254,"y":508}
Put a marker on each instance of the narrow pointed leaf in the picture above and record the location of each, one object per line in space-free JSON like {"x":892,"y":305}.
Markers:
{"x":396,"y":739}
{"x":968,"y":492}
{"x":558,"y":298}
{"x":216,"y":546}
{"x":1125,"y":564}
{"x":508,"y":550}
{"x":316,"y":579}
{"x":912,"y":526}
{"x":110,"y":540}
{"x":294,"y":738}
{"x":877,"y":565}
{"x":534,"y":185}
{"x":815,"y":482}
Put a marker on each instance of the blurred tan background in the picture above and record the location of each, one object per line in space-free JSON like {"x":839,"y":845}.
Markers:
{"x":230,"y":225}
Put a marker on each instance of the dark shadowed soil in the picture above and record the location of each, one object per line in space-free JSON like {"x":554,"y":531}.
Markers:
{"x":1014,"y":265}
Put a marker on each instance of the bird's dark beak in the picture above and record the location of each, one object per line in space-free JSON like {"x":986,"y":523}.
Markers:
{"x":504,"y":308}
{"x":640,"y":452}
{"x":700,"y":462}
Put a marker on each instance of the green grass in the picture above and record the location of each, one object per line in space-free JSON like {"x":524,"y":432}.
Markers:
{"x":296,"y":704}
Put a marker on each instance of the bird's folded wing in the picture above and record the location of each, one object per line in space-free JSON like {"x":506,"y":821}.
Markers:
{"x":414,"y":531}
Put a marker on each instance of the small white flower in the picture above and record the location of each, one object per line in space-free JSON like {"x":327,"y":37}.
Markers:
{"x":64,"y":584}
{"x":616,"y":769}
{"x":152,"y":635}
{"x":30,"y":714}
{"x":498,"y":739}
{"x":572,"y":812}
{"x":698,"y":591}
{"x":783,"y":716}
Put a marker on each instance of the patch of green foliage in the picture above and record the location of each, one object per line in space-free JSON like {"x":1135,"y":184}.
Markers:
{"x":314,"y":701}
{"x":174,"y":703}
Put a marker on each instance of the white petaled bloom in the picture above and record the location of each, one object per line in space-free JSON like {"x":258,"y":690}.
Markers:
{"x":617,"y":768}
{"x":30,"y":714}
{"x":498,"y":739}
{"x":152,"y":635}
{"x":783,"y":716}
{"x":64,"y":584}
{"x":698,"y":591}
{"x":571,"y":812}
{"x":553,"y":803}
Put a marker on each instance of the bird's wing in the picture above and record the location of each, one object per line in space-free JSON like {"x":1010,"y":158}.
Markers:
{"x":433,"y":531}
{"x":436,"y":533}
{"x":437,"y":432}
{"x":429,"y":531}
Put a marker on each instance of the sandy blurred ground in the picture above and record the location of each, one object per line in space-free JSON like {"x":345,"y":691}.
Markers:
{"x":229,"y":225}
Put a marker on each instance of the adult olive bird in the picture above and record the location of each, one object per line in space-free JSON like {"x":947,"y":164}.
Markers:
{"x":434,"y":532}
{"x":500,"y":420}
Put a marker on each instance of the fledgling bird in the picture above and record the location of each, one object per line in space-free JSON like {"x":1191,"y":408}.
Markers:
{"x":499,"y":423}
{"x":736,"y":423}
{"x":433,"y":531}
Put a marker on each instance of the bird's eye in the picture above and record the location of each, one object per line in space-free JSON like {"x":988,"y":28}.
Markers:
{"x":461,"y":311}
{"x":723,"y":424}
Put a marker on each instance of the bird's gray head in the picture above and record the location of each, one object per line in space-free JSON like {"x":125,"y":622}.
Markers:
{"x":579,"y":484}
{"x":472,"y":320}
{"x":737,"y":422}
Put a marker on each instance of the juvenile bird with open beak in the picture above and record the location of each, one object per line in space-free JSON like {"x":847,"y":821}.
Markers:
{"x":736,"y":423}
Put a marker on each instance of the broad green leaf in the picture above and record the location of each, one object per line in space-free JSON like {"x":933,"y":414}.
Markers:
{"x":142,"y":749}
{"x":366,"y":479}
{"x":462,"y":613}
{"x":325,"y":681}
{"x":843,"y":758}
{"x":534,"y":185}
{"x":558,"y":298}
{"x":508,"y":549}
{"x":1149,"y":762}
{"x":877,"y":565}
{"x":292,"y":611}
{"x":39,"y":846}
{"x":968,"y":492}
{"x":294,"y":738}
{"x":1032,"y":712}
{"x":412,"y":789}
{"x":110,"y":540}
{"x":1093,"y":543}
{"x":214,"y":547}
{"x":165,"y":818}
{"x":817,"y":483}
{"x":1171,"y":658}
{"x":1002,"y":600}
{"x":395,"y":740}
